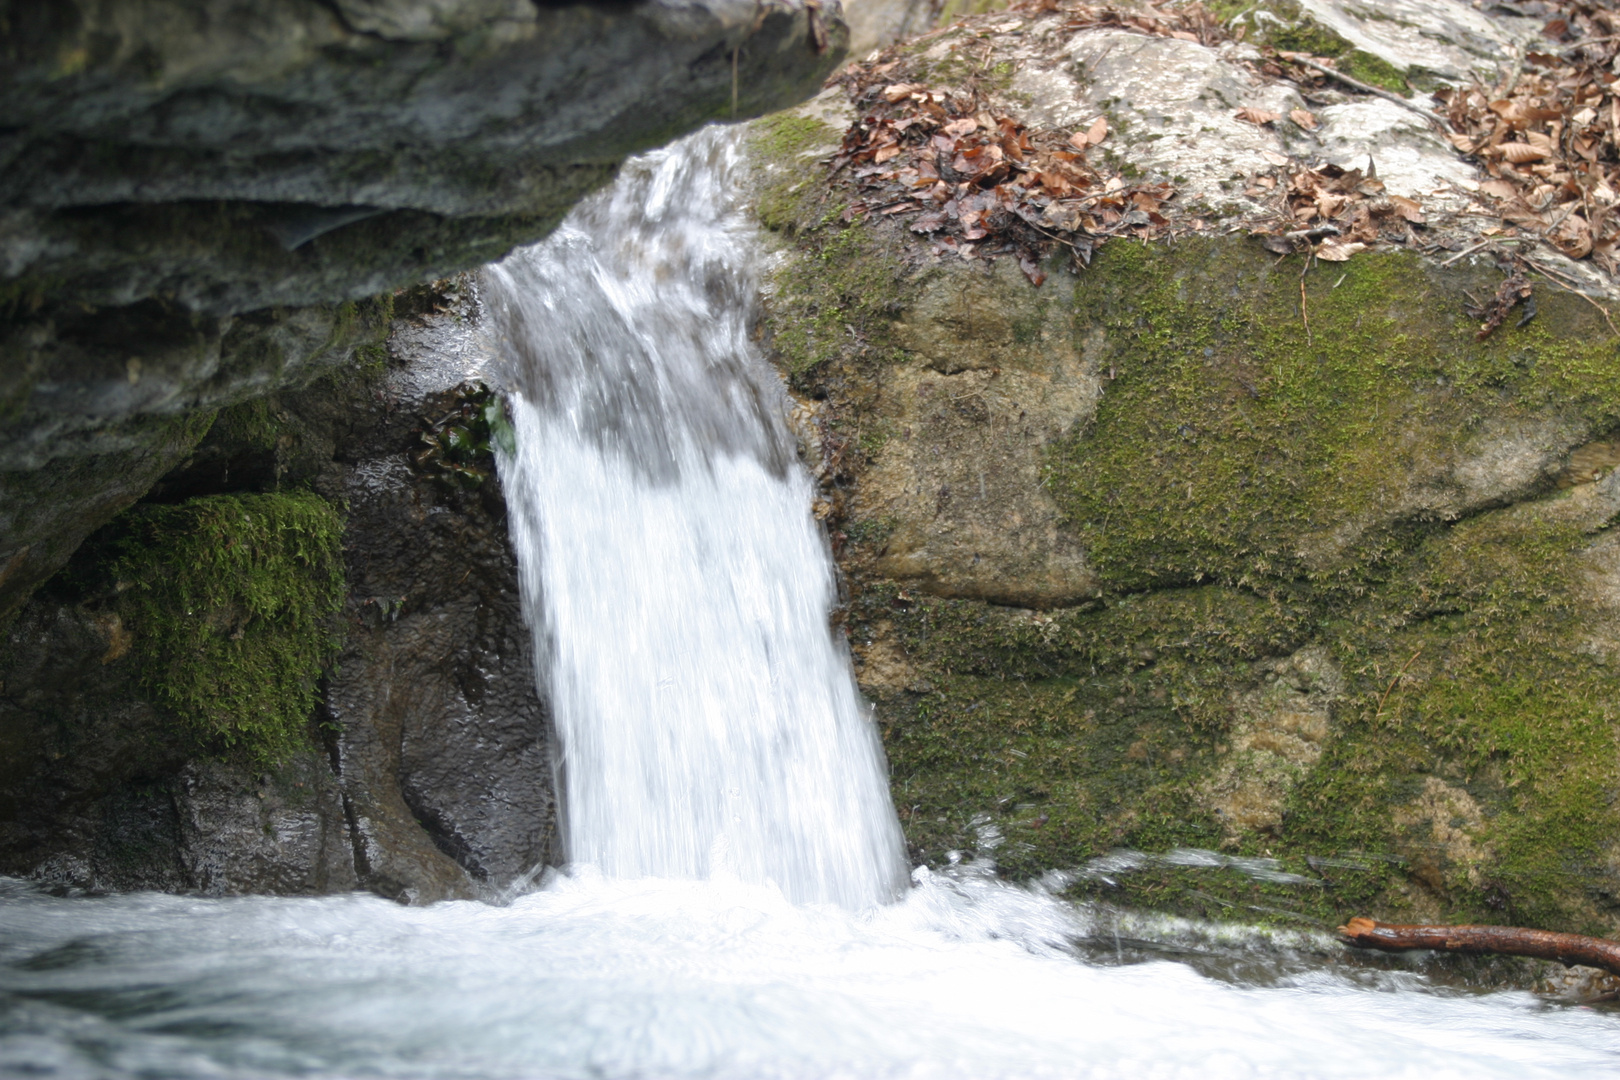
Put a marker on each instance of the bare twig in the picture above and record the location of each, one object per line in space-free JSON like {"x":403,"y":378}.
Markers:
{"x":1390,"y":688}
{"x":1469,"y":251}
{"x":1589,"y":41}
{"x":1312,"y":234}
{"x":1574,"y":287}
{"x":1303,"y":317}
{"x":1560,"y":219}
{"x":1433,"y":118}
{"x":1567,"y":949}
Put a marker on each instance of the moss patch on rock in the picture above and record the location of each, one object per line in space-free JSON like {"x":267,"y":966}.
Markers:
{"x":844,"y":285}
{"x":1233,"y":442}
{"x":229,"y":603}
{"x":1250,"y":490}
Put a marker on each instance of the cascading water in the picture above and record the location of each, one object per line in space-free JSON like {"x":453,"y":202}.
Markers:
{"x":717,"y":768}
{"x":676,"y":583}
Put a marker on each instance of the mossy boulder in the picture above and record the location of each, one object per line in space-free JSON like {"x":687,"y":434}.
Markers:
{"x":1339,"y":629}
{"x":229,"y":604}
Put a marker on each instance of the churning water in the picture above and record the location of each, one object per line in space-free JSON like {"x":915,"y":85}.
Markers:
{"x":738,"y":907}
{"x":677,"y":586}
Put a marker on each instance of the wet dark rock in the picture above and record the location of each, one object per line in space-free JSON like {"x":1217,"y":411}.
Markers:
{"x":97,"y":790}
{"x":444,"y":751}
{"x":232,"y":156}
{"x":427,"y":773}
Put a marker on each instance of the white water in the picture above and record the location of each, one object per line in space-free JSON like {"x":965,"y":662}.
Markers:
{"x":721,"y":780}
{"x":676,"y":583}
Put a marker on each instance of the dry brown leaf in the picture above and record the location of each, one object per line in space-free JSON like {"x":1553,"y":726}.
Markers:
{"x":1409,"y":209}
{"x":1520,"y":153}
{"x":1275,"y":158}
{"x":1303,"y":119}
{"x":1500,"y":189}
{"x":899,"y":92}
{"x":1462,"y":142}
{"x":1258,"y":117}
{"x":957,"y":128}
{"x":1338,"y":252}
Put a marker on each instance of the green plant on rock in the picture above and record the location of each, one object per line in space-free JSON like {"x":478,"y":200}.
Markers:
{"x":230,"y":601}
{"x":458,"y":448}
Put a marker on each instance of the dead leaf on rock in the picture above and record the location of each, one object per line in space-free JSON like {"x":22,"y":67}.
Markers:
{"x":1275,"y":158}
{"x":1258,"y":117}
{"x":1303,"y":119}
{"x":1519,"y":153}
{"x":1409,"y":209}
{"x":1333,"y":252}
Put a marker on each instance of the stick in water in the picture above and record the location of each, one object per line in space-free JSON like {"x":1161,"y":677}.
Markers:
{"x":1567,"y":949}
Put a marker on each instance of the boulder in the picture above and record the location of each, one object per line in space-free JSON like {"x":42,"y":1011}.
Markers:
{"x":1185,"y":569}
{"x":423,"y":770}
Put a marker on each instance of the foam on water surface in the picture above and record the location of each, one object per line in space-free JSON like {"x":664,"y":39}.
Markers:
{"x":595,"y":977}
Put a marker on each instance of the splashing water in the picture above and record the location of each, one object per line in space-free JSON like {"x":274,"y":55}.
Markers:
{"x":676,"y":582}
{"x":725,"y":800}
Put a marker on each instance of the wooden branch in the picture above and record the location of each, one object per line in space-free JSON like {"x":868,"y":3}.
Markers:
{"x":1567,"y":949}
{"x":1433,"y":118}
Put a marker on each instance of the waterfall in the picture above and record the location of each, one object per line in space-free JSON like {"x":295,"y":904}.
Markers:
{"x":676,"y":583}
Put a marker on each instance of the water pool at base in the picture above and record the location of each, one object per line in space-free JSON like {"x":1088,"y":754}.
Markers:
{"x":751,"y":918}
{"x":614,"y":980}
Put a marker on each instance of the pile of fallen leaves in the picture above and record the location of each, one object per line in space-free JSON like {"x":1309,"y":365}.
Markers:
{"x":1189,"y":22}
{"x":1549,"y":134}
{"x":1338,"y":211}
{"x":980,"y":183}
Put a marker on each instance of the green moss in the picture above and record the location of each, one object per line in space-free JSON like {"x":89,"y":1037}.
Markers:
{"x":953,"y":10}
{"x":1289,"y":29}
{"x":1373,"y":70}
{"x":252,"y":425}
{"x":1233,"y":444}
{"x":836,"y":297}
{"x":1239,"y":491}
{"x":1500,"y":700}
{"x":1088,"y":727}
{"x":1304,"y":35}
{"x":1222,"y":491}
{"x":783,"y":136}
{"x":230,"y":602}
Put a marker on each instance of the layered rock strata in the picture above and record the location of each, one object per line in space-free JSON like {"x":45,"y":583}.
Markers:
{"x":195,"y":195}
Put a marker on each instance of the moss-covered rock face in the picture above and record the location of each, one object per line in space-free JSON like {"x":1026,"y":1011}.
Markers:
{"x":1349,"y":637}
{"x":228,"y":604}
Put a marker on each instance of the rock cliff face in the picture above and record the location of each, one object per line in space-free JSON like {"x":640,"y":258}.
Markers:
{"x":198,"y":196}
{"x":1203,"y":577}
{"x":423,"y":772}
{"x":296,"y":665}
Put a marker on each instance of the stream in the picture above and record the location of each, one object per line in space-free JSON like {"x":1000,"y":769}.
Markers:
{"x":737,"y":903}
